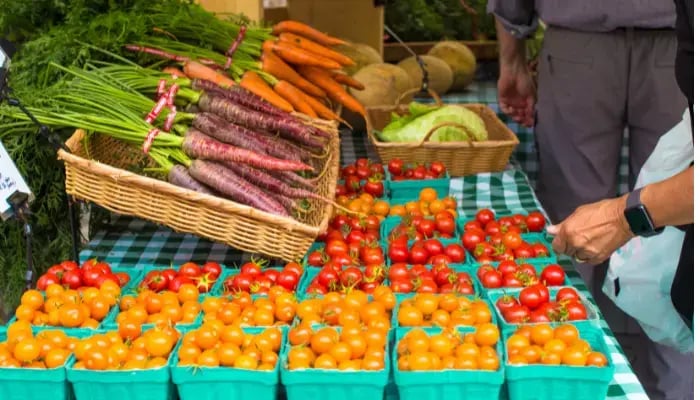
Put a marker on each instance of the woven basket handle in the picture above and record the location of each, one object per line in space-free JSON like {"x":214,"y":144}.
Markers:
{"x":434,"y":129}
{"x":432,"y":93}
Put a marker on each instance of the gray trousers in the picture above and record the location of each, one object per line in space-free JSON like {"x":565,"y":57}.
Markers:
{"x":591,"y":87}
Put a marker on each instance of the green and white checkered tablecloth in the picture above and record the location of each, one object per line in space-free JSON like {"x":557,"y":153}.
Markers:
{"x":132,"y":242}
{"x":525,"y":154}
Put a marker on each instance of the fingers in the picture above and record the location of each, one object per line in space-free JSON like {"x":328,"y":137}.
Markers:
{"x":553,"y":230}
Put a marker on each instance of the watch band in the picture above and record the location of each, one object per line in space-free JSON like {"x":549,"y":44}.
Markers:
{"x":638,"y":216}
{"x":634,"y":199}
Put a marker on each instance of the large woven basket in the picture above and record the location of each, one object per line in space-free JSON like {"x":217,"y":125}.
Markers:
{"x":460,"y":158}
{"x":97,"y":171}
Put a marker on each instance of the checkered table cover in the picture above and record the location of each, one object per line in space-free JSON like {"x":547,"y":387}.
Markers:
{"x":133,"y":242}
{"x":525,"y":154}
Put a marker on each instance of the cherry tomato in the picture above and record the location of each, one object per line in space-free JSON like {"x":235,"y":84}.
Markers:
{"x":483,"y":269}
{"x":419,"y":255}
{"x":540,"y":250}
{"x":240,"y":282}
{"x":433,"y":247}
{"x":484,"y":216}
{"x":288,"y":279}
{"x":471,"y":238}
{"x":576,"y":311}
{"x":395,"y":166}
{"x":189,"y":269}
{"x":212,"y":268}
{"x":374,"y":187}
{"x":72,"y":279}
{"x":427,"y":228}
{"x":512,"y":240}
{"x":426,"y":285}
{"x":491,"y":279}
{"x":567,"y":294}
{"x":511,"y":280}
{"x":539,"y":316}
{"x":315,"y":258}
{"x":177,"y":282}
{"x":531,"y":297}
{"x":508,"y":266}
{"x":45,"y":280}
{"x":440,"y":259}
{"x":506,"y":302}
{"x":398,"y":253}
{"x":349,"y":170}
{"x":362,"y":172}
{"x":352,"y":184}
{"x":523,"y":251}
{"x":398,"y":271}
{"x":351,"y":277}
{"x":446,"y":226}
{"x":327,"y":276}
{"x":438,"y":168}
{"x":528,"y":269}
{"x":553,"y":275}
{"x":535,"y":221}
{"x":336,"y":248}
{"x":401,"y":286}
{"x":473,"y":225}
{"x":492,"y":228}
{"x":516,"y":314}
{"x":294,"y":267}
{"x":456,"y":253}
{"x":271,"y":274}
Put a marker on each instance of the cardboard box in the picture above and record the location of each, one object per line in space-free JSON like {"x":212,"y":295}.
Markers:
{"x":253,"y":9}
{"x":354,"y":20}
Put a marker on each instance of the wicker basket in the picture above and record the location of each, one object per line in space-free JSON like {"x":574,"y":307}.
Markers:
{"x":96,"y":171}
{"x":460,"y":158}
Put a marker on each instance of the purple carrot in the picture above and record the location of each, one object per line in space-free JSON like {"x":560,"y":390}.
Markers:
{"x":179,"y":176}
{"x":239,"y":96}
{"x":235,"y":187}
{"x":294,"y":178}
{"x":269,"y":182}
{"x":224,"y":131}
{"x":199,"y":145}
{"x":255,"y":120}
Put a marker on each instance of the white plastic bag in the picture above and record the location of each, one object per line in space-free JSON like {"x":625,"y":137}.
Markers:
{"x":645,"y":267}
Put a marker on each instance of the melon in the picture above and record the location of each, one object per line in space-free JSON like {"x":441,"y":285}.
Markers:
{"x":361,"y":54}
{"x":461,"y":61}
{"x":384,"y":84}
{"x":439,"y":73}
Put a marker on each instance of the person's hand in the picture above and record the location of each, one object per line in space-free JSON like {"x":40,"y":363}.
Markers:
{"x":516,"y":94}
{"x":593,"y":232}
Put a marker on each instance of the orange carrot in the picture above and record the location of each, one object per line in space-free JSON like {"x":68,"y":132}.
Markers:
{"x":295,"y":55}
{"x":335,"y":91}
{"x":320,"y":108}
{"x":313,"y":47}
{"x":306,"y":31}
{"x":276,"y":67}
{"x":257,"y":85}
{"x":175,"y":72}
{"x":294,"y":96}
{"x":194,"y":70}
{"x":348,"y":80}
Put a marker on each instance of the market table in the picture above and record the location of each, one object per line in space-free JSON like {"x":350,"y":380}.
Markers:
{"x":133,"y":242}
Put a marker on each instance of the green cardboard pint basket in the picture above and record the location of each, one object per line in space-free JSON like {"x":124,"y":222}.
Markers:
{"x":223,"y":383}
{"x":448,"y":384}
{"x":142,"y":384}
{"x":560,"y":382}
{"x":319,"y":384}
{"x":34,"y":384}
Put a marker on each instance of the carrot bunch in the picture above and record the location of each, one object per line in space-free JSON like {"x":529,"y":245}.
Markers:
{"x":308,"y":70}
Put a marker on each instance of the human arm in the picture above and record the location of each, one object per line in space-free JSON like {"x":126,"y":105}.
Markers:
{"x":594,"y":231}
{"x":515,"y":20}
{"x":670,"y":202}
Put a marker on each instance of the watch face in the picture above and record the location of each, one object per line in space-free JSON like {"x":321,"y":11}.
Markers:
{"x":639,"y":221}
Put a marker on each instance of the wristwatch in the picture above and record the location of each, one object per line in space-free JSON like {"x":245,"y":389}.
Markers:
{"x":638,"y":217}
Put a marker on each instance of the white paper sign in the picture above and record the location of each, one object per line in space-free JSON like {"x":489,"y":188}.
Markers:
{"x":10,"y":181}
